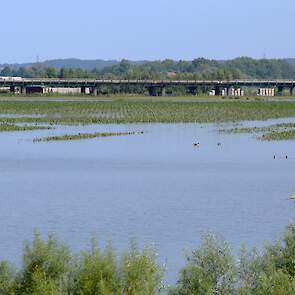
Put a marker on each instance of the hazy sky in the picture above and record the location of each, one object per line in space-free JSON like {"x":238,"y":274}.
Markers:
{"x":146,"y":29}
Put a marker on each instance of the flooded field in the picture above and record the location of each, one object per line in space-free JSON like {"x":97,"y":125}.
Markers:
{"x":154,"y":187}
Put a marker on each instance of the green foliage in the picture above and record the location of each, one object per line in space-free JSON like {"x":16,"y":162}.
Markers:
{"x":139,"y":272}
{"x":97,"y":273}
{"x":210,"y":269}
{"x":282,"y":131}
{"x":277,"y":283}
{"x":7,"y":279}
{"x":80,"y":136}
{"x":196,"y":69}
{"x":49,"y":268}
{"x":4,"y":127}
{"x":263,"y":275}
{"x":278,"y":135}
{"x":45,"y":264}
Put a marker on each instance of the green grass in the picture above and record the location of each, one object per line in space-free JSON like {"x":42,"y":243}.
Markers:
{"x":4,"y":127}
{"x":123,"y":111}
{"x":281,"y":131}
{"x":278,"y":135}
{"x":81,"y":136}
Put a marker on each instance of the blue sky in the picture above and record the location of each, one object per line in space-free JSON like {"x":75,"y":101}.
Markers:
{"x":146,"y":29}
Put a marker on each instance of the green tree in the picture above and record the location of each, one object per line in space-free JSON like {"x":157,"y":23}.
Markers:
{"x":210,"y":269}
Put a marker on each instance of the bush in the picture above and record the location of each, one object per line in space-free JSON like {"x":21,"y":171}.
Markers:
{"x":139,"y":272}
{"x":45,"y":265}
{"x":49,"y":268}
{"x":97,"y":272}
{"x":7,"y":278}
{"x":209,"y":270}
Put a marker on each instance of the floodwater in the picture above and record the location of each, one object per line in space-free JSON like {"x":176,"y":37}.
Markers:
{"x":154,"y":188}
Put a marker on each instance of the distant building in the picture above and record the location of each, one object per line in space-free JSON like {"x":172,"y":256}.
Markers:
{"x":171,"y":74}
{"x":64,"y":90}
{"x":266,"y":92}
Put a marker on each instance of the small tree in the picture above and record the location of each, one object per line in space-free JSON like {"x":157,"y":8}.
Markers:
{"x":210,"y":269}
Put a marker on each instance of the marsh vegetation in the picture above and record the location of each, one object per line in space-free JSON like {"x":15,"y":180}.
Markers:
{"x":281,"y":131}
{"x":80,"y":136}
{"x":140,"y":111}
{"x":9,"y":127}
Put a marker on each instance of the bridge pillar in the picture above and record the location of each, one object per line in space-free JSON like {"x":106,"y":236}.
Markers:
{"x":217,"y":91}
{"x":83,"y":90}
{"x":292,"y":90}
{"x":192,"y":90}
{"x":230,"y":91}
{"x":280,"y":90}
{"x":23,"y":90}
{"x":94,"y":91}
{"x":152,"y":91}
{"x":12,"y":89}
{"x":163,"y":91}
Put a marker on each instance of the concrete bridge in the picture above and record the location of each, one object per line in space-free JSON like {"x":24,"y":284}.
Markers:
{"x":154,"y":87}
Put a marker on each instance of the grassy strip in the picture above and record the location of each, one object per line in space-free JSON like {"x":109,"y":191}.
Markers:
{"x":278,"y":135}
{"x":12,"y":127}
{"x":271,"y":128}
{"x":132,"y":111}
{"x":80,"y":136}
{"x":241,"y":130}
{"x":281,"y":131}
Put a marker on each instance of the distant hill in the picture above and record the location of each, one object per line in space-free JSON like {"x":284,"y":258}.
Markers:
{"x":90,"y":64}
{"x":73,"y":63}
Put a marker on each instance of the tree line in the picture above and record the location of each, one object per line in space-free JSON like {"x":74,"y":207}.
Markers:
{"x":197,"y":69}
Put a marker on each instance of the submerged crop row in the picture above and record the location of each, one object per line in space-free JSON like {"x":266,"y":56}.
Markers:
{"x":50,"y":268}
{"x":133,"y":111}
{"x":80,"y":136}
{"x":281,"y":131}
{"x":5,"y":127}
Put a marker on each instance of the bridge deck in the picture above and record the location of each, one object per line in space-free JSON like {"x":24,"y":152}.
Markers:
{"x":161,"y":83}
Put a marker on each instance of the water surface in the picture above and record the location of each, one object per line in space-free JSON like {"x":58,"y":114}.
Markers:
{"x":154,"y":188}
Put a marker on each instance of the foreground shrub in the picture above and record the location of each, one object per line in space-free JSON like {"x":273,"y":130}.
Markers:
{"x":97,"y":272}
{"x":45,"y":265}
{"x":209,"y":270}
{"x":274,"y":271}
{"x":7,"y":278}
{"x":49,"y":268}
{"x":139,"y":272}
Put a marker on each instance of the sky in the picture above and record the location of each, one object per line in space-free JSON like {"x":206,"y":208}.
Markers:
{"x":146,"y":29}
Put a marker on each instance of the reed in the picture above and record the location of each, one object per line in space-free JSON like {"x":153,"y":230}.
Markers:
{"x":281,"y":131}
{"x":81,"y":136}
{"x":4,"y":127}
